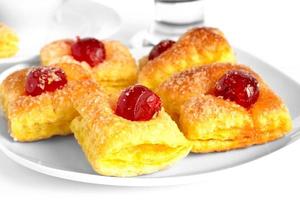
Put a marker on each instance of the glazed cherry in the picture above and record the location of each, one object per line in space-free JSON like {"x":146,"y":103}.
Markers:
{"x":160,"y":48}
{"x":238,"y":86}
{"x":89,"y":50}
{"x":44,"y":79}
{"x":138,"y":103}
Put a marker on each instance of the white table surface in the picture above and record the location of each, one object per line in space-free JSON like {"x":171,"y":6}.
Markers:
{"x":269,"y":29}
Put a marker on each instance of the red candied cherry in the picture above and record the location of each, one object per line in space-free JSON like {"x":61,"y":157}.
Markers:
{"x":44,"y":79}
{"x":238,"y":86}
{"x":89,"y":50}
{"x":160,"y":48}
{"x":138,"y":103}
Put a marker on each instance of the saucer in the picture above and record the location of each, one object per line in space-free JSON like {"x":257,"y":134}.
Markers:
{"x":74,"y":18}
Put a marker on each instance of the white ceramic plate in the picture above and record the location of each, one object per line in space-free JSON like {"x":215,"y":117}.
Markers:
{"x":71,"y":20}
{"x":62,"y":156}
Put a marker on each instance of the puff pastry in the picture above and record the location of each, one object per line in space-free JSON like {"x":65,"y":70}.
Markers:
{"x":115,"y":146}
{"x":215,"y":124}
{"x":8,"y":42}
{"x":32,"y":118}
{"x":196,"y":47}
{"x":118,"y":70}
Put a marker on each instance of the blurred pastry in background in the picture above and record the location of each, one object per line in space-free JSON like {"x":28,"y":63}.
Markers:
{"x":9,"y":42}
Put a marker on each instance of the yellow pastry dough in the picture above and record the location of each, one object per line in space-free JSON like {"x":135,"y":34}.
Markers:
{"x":215,"y":124}
{"x":9,"y":42}
{"x":32,"y":118}
{"x":115,"y":146}
{"x":196,"y":47}
{"x":118,"y":70}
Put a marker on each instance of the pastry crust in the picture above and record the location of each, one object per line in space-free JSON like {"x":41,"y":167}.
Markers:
{"x":215,"y":124}
{"x":115,"y":146}
{"x":43,"y":116}
{"x":196,"y":47}
{"x":9,"y":42}
{"x":118,"y":70}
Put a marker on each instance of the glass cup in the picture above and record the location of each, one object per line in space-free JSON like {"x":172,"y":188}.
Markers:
{"x":172,"y":18}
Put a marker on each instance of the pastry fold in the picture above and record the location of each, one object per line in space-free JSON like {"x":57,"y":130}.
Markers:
{"x":196,"y":47}
{"x":115,"y":146}
{"x":39,"y":117}
{"x":116,"y":72}
{"x":214,"y":124}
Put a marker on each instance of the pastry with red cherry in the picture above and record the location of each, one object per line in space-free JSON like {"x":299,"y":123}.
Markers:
{"x":225,"y":106}
{"x":196,"y":47}
{"x":110,"y":63}
{"x":36,"y":101}
{"x":129,"y":137}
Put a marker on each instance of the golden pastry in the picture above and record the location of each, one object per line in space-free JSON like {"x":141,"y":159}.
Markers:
{"x":109,"y":62}
{"x":224,"y":106}
{"x":196,"y":47}
{"x":8,"y":42}
{"x":130,"y":137}
{"x":36,"y":101}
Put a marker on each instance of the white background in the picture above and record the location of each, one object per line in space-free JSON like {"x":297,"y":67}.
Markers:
{"x":269,"y":29}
